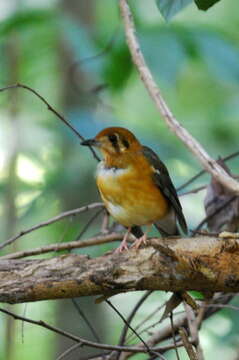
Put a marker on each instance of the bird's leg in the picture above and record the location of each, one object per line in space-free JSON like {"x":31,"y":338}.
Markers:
{"x":142,"y":240}
{"x":123,"y":246}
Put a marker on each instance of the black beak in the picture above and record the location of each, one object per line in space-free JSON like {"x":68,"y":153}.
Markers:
{"x":89,"y":142}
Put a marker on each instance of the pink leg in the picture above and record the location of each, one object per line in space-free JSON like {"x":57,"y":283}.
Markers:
{"x":123,"y":246}
{"x":138,"y":242}
{"x":141,"y":240}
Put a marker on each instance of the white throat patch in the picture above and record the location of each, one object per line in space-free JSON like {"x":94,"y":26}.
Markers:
{"x":109,"y":172}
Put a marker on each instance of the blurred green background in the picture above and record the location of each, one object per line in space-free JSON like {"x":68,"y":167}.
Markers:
{"x":73,"y":53}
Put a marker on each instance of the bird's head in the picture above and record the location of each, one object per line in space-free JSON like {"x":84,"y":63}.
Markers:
{"x":114,"y":142}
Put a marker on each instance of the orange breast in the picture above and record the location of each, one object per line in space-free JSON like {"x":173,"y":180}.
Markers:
{"x":131,"y":196}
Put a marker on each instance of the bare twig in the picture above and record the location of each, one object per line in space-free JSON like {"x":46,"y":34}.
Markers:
{"x":222,"y":306}
{"x":89,"y":223}
{"x":191,"y":180}
{"x":193,"y":326}
{"x":193,"y":191}
{"x":152,"y":314}
{"x":54,"y":111}
{"x":51,"y":221}
{"x":128,"y":325}
{"x":188,"y":346}
{"x":86,"y":320}
{"x":207,"y":162}
{"x":220,"y":208}
{"x":200,"y":173}
{"x":131,"y":316}
{"x":173,"y":335}
{"x":68,"y":351}
{"x":80,"y":340}
{"x":90,"y":58}
{"x":166,"y":332}
{"x":97,"y":240}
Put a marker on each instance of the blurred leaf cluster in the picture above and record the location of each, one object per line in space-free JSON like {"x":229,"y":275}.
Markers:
{"x":169,"y":8}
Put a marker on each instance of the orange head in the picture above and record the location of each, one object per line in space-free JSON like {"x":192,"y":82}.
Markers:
{"x":114,"y":142}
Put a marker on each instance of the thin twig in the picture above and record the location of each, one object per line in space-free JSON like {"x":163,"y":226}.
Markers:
{"x":90,"y":58}
{"x":193,"y":191}
{"x":54,"y":111}
{"x":51,"y":221}
{"x":191,"y":180}
{"x":188,"y":346}
{"x":193,"y":145}
{"x":78,"y":339}
{"x":97,"y":356}
{"x":222,"y":306}
{"x":86,"y":320}
{"x":166,"y":332}
{"x":193,"y":329}
{"x":148,"y":318}
{"x":131,"y":316}
{"x":173,"y":335}
{"x":97,"y":240}
{"x":147,"y":348}
{"x":88,"y":224}
{"x":129,"y":320}
{"x":127,"y":324}
{"x":220,"y":208}
{"x":200,"y":173}
{"x":68,"y":351}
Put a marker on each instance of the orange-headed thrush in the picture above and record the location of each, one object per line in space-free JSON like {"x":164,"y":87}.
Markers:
{"x":135,"y":185}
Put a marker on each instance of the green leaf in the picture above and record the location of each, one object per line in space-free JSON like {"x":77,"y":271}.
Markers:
{"x":205,"y":4}
{"x":118,"y":65}
{"x":22,"y":19}
{"x":169,"y":8}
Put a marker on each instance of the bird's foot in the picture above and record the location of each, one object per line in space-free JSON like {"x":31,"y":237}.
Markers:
{"x":139,"y":242}
{"x":123,"y":246}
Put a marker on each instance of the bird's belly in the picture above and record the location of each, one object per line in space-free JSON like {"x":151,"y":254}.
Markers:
{"x":131,"y":200}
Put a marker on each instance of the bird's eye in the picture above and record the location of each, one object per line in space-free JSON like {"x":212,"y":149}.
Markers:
{"x":113,"y":138}
{"x":125,"y":143}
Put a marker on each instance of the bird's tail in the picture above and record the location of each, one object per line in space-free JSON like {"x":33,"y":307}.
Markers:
{"x":168,"y":225}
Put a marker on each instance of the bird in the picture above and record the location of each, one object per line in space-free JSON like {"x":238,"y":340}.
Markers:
{"x":135,"y":186}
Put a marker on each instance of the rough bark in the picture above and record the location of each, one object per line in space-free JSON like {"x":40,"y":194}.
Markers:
{"x":199,"y":263}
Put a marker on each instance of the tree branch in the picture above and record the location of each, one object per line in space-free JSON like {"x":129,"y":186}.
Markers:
{"x":50,"y":108}
{"x":78,"y":244}
{"x":198,"y":263}
{"x":80,"y":340}
{"x":193,"y":145}
{"x":56,"y":218}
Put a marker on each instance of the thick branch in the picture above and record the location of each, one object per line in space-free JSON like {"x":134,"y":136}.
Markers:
{"x":194,"y":146}
{"x":202,"y":263}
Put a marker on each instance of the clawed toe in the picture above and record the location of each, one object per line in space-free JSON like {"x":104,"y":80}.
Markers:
{"x":123,"y":246}
{"x":139,"y":242}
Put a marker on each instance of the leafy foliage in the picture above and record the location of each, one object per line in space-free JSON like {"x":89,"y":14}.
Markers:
{"x":169,"y":8}
{"x":21,"y":20}
{"x":205,"y":4}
